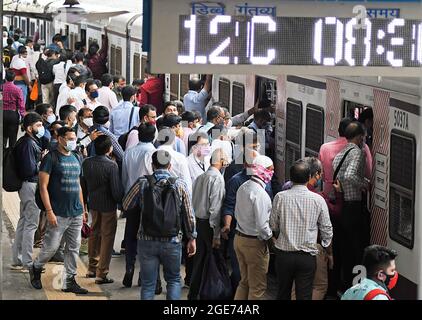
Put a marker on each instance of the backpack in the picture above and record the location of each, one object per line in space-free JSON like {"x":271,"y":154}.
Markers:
{"x":55,"y":160}
{"x":162,"y":208}
{"x":123,"y":138}
{"x":7,"y":57}
{"x":45,"y":71}
{"x":11,"y":179}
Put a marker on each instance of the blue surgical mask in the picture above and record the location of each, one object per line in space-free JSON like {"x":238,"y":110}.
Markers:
{"x":318,"y":184}
{"x":40,"y":133}
{"x":94,"y":94}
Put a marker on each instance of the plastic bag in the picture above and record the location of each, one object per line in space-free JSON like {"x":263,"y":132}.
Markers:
{"x":34,"y":93}
{"x":215,"y":284}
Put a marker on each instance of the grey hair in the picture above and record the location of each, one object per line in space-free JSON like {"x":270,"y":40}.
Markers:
{"x":314,"y":165}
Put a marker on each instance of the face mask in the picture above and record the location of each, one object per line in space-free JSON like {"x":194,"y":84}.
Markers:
{"x":94,"y":94}
{"x":74,"y":123}
{"x":51,"y":118}
{"x":391,"y":280}
{"x":107,"y":124}
{"x":262,"y":173}
{"x":197,"y":125}
{"x":40,"y":133}
{"x":71,"y":145}
{"x":152,"y":122}
{"x":203,"y":151}
{"x":89,"y":122}
{"x":318,"y":184}
{"x":229,"y":124}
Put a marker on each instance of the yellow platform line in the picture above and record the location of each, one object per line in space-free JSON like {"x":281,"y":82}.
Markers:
{"x":52,"y":278}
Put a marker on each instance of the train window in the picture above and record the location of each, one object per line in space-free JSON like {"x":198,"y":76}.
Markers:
{"x":266,"y":90}
{"x":119,"y":60}
{"x":353,"y":110}
{"x":15,"y":22}
{"x":238,"y":98}
{"x":314,"y":130}
{"x":293,"y":133}
{"x":224,"y":92}
{"x":136,"y":66}
{"x":402,"y":188}
{"x":23,"y":26}
{"x":112,"y":60}
{"x":42,"y":34}
{"x":174,"y":87}
{"x":144,"y":60}
{"x":184,"y":84}
{"x":32,"y":29}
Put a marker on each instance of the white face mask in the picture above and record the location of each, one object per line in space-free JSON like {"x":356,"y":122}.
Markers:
{"x":71,"y":145}
{"x":229,"y":124}
{"x":74,"y":123}
{"x":51,"y":118}
{"x":107,"y":124}
{"x":89,"y":122}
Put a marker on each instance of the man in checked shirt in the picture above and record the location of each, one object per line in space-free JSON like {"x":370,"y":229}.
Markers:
{"x":352,"y":180}
{"x":297,"y":216}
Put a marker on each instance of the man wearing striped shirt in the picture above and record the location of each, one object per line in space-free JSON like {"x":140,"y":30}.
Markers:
{"x":297,"y":216}
{"x":352,"y":179}
{"x":155,"y":250}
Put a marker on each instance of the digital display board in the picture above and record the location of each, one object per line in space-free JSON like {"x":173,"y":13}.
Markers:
{"x":298,"y":41}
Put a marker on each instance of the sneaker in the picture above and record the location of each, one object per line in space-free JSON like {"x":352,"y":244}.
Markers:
{"x":122,"y":251}
{"x":127,"y":280}
{"x":158,"y":288}
{"x":35,"y":277}
{"x":72,"y":286}
{"x":115,"y":254}
{"x":104,"y":280}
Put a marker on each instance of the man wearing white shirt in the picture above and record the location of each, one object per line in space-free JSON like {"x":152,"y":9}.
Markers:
{"x":179,"y":164}
{"x":124,"y":116}
{"x":64,"y":97}
{"x":106,"y":96}
{"x":78,"y":93}
{"x":91,"y":90}
{"x":198,"y":160}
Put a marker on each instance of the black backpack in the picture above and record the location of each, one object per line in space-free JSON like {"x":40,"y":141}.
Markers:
{"x":45,"y":71}
{"x":55,"y":160}
{"x":11,"y":179}
{"x":162,"y":208}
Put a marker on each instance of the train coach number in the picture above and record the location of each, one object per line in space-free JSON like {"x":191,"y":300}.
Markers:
{"x":401,"y":120}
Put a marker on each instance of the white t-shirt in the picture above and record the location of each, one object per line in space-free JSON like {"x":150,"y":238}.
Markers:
{"x":64,"y":94}
{"x":59,"y":71}
{"x":79,"y":95}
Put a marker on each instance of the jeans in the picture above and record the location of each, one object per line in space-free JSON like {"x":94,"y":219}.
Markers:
{"x":151,"y":254}
{"x":70,"y":229}
{"x":27,"y":225}
{"x":23,"y":87}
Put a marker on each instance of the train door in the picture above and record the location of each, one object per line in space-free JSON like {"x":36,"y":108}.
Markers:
{"x":294,"y":115}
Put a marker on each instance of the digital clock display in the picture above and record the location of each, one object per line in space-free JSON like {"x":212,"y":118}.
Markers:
{"x":302,"y":41}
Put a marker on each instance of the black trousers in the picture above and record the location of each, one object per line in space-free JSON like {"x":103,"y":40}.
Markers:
{"x":297,"y":267}
{"x":10,"y":127}
{"x":203,"y":247}
{"x":353,"y":242}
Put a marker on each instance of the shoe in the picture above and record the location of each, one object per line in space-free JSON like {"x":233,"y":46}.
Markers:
{"x":72,"y":286}
{"x":122,"y":251}
{"x":57,"y":260}
{"x":35,"y":277}
{"x":104,"y":280}
{"x":158,"y":288}
{"x":127,"y":280}
{"x":115,"y":254}
{"x":90,"y":275}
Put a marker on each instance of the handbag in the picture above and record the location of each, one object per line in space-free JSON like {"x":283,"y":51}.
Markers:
{"x":34,"y":93}
{"x":86,"y":230}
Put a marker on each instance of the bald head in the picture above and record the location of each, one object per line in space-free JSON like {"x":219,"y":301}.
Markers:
{"x":219,"y":159}
{"x":300,"y":172}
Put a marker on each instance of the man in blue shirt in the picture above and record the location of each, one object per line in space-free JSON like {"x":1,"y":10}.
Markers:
{"x":124,"y":116}
{"x":62,"y":197}
{"x":195,"y":99}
